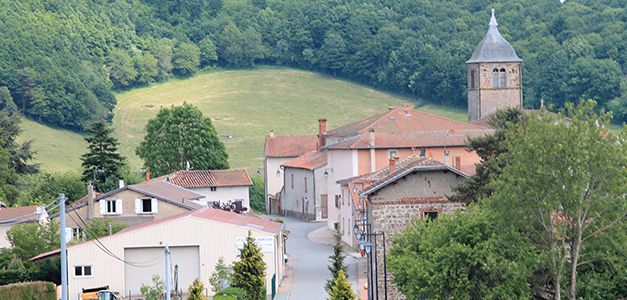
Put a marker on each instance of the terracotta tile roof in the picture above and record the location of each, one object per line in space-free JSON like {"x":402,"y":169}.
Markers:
{"x":403,"y":128}
{"x":308,"y":161}
{"x":290,"y":145}
{"x":166,"y":191}
{"x":18,"y":214}
{"x":207,"y":213}
{"x":209,"y":178}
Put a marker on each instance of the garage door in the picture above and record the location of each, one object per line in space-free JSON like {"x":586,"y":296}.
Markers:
{"x":146,"y":262}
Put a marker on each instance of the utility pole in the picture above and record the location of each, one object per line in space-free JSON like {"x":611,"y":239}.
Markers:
{"x":64,"y":293}
{"x":167,"y":272}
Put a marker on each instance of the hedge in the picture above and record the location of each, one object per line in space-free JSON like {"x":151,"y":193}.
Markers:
{"x":36,"y":290}
{"x":13,"y":276}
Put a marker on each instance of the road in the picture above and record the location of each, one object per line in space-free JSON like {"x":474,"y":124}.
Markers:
{"x":308,"y":262}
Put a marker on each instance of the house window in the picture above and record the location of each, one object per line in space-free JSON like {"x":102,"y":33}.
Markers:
{"x":423,"y":152}
{"x":292,"y":181}
{"x":305,"y":184}
{"x":146,"y":205}
{"x":430,"y":215}
{"x":77,"y":233}
{"x":495,"y":78}
{"x":337,"y":201}
{"x":111,"y":207}
{"x":213,"y":188}
{"x":82,"y":271}
{"x":392,"y":153}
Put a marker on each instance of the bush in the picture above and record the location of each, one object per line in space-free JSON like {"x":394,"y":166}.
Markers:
{"x":37,"y":290}
{"x":196,"y":291}
{"x":230,"y":293}
{"x":13,"y":276}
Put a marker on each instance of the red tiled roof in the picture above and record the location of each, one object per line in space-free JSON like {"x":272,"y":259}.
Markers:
{"x":209,"y":178}
{"x":290,"y":145}
{"x":207,"y":213}
{"x":398,"y":128}
{"x":18,"y":214}
{"x":308,"y":161}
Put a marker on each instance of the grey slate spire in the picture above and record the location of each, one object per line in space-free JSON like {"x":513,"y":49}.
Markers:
{"x":493,"y":47}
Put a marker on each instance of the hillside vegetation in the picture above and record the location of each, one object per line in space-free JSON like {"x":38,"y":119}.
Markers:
{"x":244,"y":106}
{"x":67,"y":56}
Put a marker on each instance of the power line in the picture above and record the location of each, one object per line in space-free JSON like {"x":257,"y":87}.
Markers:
{"x":107,"y":251}
{"x":21,"y":218}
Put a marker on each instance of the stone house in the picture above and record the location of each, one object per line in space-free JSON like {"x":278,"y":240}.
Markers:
{"x":10,"y":216}
{"x":305,"y":191}
{"x":415,"y":189}
{"x":366,"y":146}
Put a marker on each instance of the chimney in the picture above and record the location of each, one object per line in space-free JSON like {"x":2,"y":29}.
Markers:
{"x":91,"y":195}
{"x":147,"y":174}
{"x":121,"y":183}
{"x":458,"y":163}
{"x":322,"y":128}
{"x":371,"y":137}
{"x":392,"y":164}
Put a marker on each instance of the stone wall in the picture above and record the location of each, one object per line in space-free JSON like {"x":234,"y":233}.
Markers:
{"x":483,"y":98}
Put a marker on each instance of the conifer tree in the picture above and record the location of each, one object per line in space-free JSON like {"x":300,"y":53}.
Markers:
{"x":102,"y":162}
{"x":337,"y":262}
{"x":249,"y":271}
{"x":196,"y":291}
{"x":341,"y":289}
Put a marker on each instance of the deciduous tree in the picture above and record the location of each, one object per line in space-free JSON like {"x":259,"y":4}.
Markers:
{"x":178,"y":135}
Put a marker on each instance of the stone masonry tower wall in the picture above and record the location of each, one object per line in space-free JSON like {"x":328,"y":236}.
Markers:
{"x":494,"y":75}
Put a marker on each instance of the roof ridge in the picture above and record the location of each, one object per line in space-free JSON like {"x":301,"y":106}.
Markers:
{"x":385,"y":114}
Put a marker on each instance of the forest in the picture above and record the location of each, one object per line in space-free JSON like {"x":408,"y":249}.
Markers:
{"x":62,"y":60}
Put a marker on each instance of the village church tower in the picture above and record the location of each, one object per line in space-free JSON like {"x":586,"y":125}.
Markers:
{"x":494,"y":75}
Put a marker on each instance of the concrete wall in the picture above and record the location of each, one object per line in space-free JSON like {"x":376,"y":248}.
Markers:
{"x":218,"y":240}
{"x":382,"y":157}
{"x":273,"y":183}
{"x":341,"y":164}
{"x":483,"y":99}
{"x":348,"y":214}
{"x":321,"y":188}
{"x":4,"y":242}
{"x":224,"y":194}
{"x":392,"y":208}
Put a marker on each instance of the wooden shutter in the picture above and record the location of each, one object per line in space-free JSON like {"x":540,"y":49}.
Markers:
{"x":118,"y":206}
{"x":154,"y":206}
{"x":138,"y":206}
{"x":103,"y":207}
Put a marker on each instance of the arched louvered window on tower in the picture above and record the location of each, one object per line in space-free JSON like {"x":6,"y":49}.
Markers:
{"x":502,"y":79}
{"x":495,"y":78}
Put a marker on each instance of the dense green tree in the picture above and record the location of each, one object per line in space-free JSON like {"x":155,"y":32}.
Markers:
{"x":249,"y":271}
{"x":563,"y":188}
{"x":333,"y":52}
{"x":102,"y":162}
{"x":147,"y":68}
{"x":44,"y":187}
{"x":179,"y":135}
{"x":102,"y":227}
{"x":257,"y":196}
{"x":220,"y":278}
{"x":464,"y":256}
{"x":336,"y":261}
{"x":341,"y":289}
{"x":489,"y":148}
{"x":14,"y":158}
{"x":240,"y":48}
{"x":6,"y":101}
{"x":121,"y":68}
{"x":208,"y":52}
{"x":186,"y":59}
{"x":30,"y":239}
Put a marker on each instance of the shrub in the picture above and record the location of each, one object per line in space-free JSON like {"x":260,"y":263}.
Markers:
{"x":153,"y":292}
{"x":196,"y":290}
{"x":37,"y":290}
{"x":13,"y":276}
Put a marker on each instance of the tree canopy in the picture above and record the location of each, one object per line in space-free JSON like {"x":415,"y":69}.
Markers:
{"x":102,"y":163}
{"x":66,"y":57}
{"x":178,"y":136}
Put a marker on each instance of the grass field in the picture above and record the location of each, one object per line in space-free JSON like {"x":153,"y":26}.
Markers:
{"x":244,"y":106}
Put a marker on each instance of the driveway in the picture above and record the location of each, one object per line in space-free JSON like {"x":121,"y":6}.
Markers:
{"x":308,"y":261}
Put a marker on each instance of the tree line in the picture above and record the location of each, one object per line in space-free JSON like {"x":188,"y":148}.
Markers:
{"x":66,"y":58}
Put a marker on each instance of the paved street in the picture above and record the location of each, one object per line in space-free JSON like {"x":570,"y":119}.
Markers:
{"x":307,"y":266}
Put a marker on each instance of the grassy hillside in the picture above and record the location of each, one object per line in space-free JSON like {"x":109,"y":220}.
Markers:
{"x":244,"y":106}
